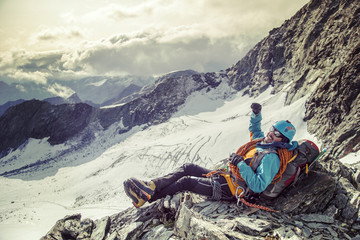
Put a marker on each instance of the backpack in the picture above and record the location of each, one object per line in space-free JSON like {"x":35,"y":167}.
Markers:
{"x":304,"y":155}
{"x":297,"y":165}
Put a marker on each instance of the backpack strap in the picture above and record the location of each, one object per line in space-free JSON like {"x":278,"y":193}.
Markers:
{"x":255,"y":162}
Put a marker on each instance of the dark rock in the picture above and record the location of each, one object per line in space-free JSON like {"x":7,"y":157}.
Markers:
{"x":70,"y":227}
{"x":9,"y":104}
{"x":310,"y":195}
{"x":357,"y":176}
{"x":317,"y":218}
{"x":342,"y":89}
{"x":38,"y":119}
{"x":101,"y":228}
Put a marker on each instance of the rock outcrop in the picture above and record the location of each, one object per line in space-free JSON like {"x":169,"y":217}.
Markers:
{"x":341,"y":89}
{"x":304,"y":50}
{"x":303,"y":214}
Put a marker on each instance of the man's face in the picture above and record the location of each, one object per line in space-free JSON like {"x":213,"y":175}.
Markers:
{"x":273,"y":136}
{"x":270,"y":137}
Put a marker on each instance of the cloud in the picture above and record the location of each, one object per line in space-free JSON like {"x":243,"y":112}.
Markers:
{"x":37,"y":77}
{"x":146,"y":53}
{"x":214,"y":18}
{"x":147,"y":38}
{"x":28,"y":61}
{"x":59,"y":34}
{"x":23,"y":65}
{"x":117,"y":12}
{"x":21,"y":88}
{"x":155,"y":53}
{"x":59,"y":90}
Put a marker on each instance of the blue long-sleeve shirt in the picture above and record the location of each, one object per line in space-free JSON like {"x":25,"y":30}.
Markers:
{"x":269,"y":165}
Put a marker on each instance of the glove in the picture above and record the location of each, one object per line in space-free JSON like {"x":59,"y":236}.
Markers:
{"x":234,"y":159}
{"x":256,"y":108}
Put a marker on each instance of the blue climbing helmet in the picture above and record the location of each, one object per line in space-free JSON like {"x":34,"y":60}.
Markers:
{"x":285,"y":128}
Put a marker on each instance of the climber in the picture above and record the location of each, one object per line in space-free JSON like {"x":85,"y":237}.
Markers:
{"x":191,"y":177}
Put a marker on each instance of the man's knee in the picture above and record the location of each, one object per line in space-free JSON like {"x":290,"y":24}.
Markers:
{"x":188,"y":166}
{"x":187,"y":182}
{"x":192,"y":169}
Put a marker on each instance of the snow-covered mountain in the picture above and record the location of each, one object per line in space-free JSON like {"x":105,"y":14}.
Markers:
{"x":303,"y":71}
{"x":62,"y":123}
{"x":107,"y":90}
{"x":97,"y":91}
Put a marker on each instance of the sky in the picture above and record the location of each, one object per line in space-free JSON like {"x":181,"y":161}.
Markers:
{"x":67,"y":39}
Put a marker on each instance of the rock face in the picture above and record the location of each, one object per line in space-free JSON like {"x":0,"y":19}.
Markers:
{"x":341,"y":89}
{"x":306,"y":48}
{"x":8,"y":104}
{"x":188,"y":216}
{"x":39,"y":119}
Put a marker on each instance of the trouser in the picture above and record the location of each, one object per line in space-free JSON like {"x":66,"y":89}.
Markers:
{"x":190,"y":177}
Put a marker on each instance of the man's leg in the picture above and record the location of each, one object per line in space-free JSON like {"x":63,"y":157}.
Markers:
{"x":140,"y":191}
{"x":197,"y":185}
{"x":188,"y":169}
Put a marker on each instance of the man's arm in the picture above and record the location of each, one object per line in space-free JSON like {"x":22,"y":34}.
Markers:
{"x":255,"y":126}
{"x":265,"y":173}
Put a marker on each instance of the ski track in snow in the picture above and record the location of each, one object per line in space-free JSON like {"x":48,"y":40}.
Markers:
{"x":90,"y":180}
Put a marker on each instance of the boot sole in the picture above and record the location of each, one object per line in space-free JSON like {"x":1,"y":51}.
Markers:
{"x":135,"y":185}
{"x":135,"y":205}
{"x":130,"y":193}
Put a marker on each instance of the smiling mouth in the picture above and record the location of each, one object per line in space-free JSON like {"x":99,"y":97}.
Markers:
{"x":270,"y":137}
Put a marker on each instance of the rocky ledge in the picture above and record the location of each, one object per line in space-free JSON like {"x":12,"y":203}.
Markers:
{"x":319,"y":207}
